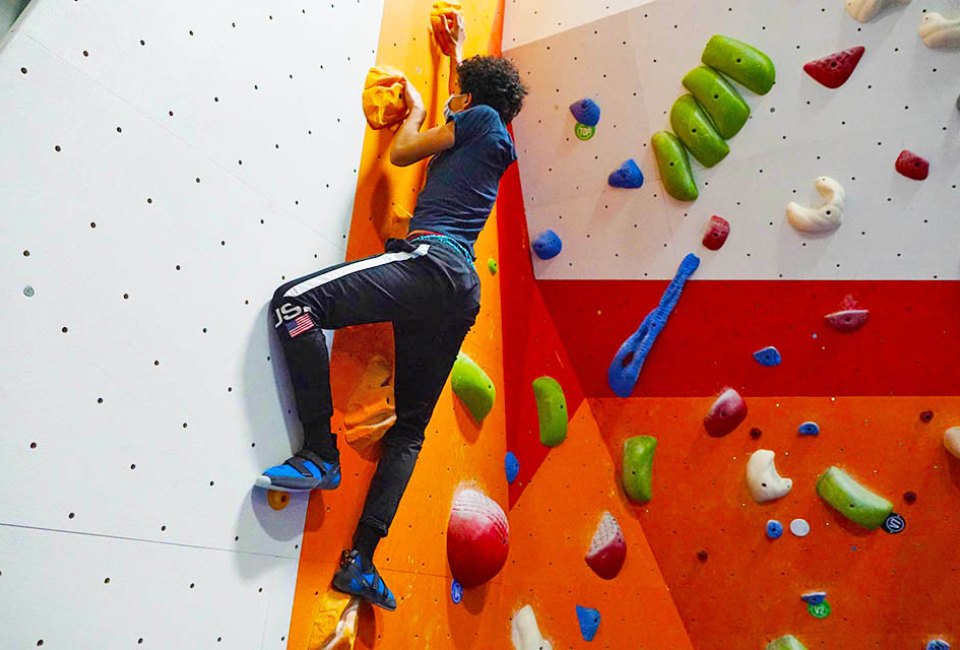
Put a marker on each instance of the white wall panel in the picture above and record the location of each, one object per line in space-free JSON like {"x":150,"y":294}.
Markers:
{"x":85,"y":591}
{"x":526,"y":20}
{"x":131,"y":440}
{"x":903,"y":95}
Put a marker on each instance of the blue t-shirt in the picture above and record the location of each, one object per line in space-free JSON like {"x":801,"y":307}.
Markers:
{"x":462,"y":181}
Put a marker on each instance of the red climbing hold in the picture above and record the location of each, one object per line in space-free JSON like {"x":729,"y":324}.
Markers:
{"x":834,"y":70}
{"x":478,"y":538}
{"x":726,"y":414}
{"x":608,"y":549}
{"x":850,"y":318}
{"x":912,"y":166}
{"x":717,"y":230}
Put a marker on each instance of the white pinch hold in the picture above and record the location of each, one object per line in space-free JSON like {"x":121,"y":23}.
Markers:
{"x":525,"y":633}
{"x":824,"y":218}
{"x":864,"y":10}
{"x":763,"y":480}
{"x":939,"y":32}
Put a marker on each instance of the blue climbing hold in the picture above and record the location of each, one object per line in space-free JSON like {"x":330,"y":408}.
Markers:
{"x":628,"y":176}
{"x":627,"y":363}
{"x":589,"y":622}
{"x":547,"y":245}
{"x":768,"y":356}
{"x":814,"y":597}
{"x":774,"y":529}
{"x":938,"y":644}
{"x":512,"y":465}
{"x":456,"y":592}
{"x":809,"y":429}
{"x":586,"y":111}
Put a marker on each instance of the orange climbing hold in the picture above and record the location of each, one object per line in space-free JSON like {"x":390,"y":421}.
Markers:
{"x":443,"y":16}
{"x":370,"y":410}
{"x":383,"y":102}
{"x":278,"y":500}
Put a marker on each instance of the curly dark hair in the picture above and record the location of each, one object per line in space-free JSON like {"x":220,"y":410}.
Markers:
{"x":495,"y":82}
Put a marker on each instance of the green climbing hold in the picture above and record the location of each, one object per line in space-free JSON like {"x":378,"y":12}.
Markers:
{"x":638,"y":467}
{"x":674,"y":166}
{"x":852,"y":500}
{"x":551,"y":410}
{"x":721,"y":101}
{"x":697,"y":132}
{"x":473,"y":386}
{"x":492,"y":265}
{"x":786,"y":642}
{"x":743,"y":63}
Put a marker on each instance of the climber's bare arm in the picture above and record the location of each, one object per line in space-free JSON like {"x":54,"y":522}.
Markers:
{"x":410,"y":144}
{"x":458,"y":34}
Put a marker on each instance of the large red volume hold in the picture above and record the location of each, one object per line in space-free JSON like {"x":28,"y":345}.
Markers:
{"x":912,"y":166}
{"x":834,"y":70}
{"x":478,"y":538}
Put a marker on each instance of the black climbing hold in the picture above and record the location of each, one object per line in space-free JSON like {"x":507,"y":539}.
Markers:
{"x":894,"y":524}
{"x":755,"y":433}
{"x":910,"y":497}
{"x":926,"y":416}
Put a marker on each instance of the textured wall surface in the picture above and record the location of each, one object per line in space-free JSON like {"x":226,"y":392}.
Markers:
{"x":163,"y":167}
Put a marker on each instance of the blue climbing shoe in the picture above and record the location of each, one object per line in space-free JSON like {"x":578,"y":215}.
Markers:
{"x":350,"y":579}
{"x":303,"y":472}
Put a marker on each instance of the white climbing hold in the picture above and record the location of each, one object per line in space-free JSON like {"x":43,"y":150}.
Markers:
{"x":762,"y":478}
{"x":864,"y":10}
{"x":951,"y":440}
{"x":524,"y":631}
{"x":800,"y":527}
{"x":939,"y":32}
{"x":824,"y":218}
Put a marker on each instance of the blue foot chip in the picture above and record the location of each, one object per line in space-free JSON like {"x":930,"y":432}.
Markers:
{"x":774,"y":529}
{"x":628,"y":176}
{"x":547,"y":245}
{"x":512,"y":466}
{"x":589,"y":622}
{"x":809,"y":429}
{"x":768,"y":356}
{"x":586,"y":111}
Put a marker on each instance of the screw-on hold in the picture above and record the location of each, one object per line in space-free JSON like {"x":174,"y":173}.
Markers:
{"x":28,"y":291}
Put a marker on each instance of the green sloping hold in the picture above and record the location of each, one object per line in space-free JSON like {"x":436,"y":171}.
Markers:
{"x":743,"y":63}
{"x":691,"y":124}
{"x":852,"y":500}
{"x":473,"y":386}
{"x":638,"y":467}
{"x":786,"y":642}
{"x":674,"y":166}
{"x":721,"y":101}
{"x":551,"y":410}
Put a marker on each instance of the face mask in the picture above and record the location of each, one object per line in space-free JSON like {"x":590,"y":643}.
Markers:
{"x":447,"y":112}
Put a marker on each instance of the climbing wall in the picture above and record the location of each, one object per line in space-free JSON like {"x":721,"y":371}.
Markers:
{"x":882,"y":396}
{"x":164,"y":166}
{"x":551,"y":518}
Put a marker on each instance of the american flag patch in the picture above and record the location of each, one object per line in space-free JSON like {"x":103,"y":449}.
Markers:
{"x":300,"y":325}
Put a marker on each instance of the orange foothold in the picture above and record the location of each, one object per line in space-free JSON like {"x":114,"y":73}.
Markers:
{"x":278,"y":500}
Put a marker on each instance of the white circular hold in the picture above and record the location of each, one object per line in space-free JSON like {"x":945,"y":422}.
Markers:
{"x":800,"y":527}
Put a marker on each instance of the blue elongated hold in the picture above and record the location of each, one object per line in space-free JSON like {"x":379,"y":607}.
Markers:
{"x":628,"y":176}
{"x":814,"y":597}
{"x":547,"y":245}
{"x":589,"y":622}
{"x":938,"y":644}
{"x":768,"y":356}
{"x":512,"y":466}
{"x":809,"y":429}
{"x":628,"y":361}
{"x":774,"y":529}
{"x":586,"y":111}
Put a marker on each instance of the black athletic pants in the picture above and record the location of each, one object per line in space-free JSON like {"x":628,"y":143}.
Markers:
{"x":431,"y":294}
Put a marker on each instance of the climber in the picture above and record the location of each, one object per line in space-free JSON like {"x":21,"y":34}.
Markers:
{"x":425,"y":285}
